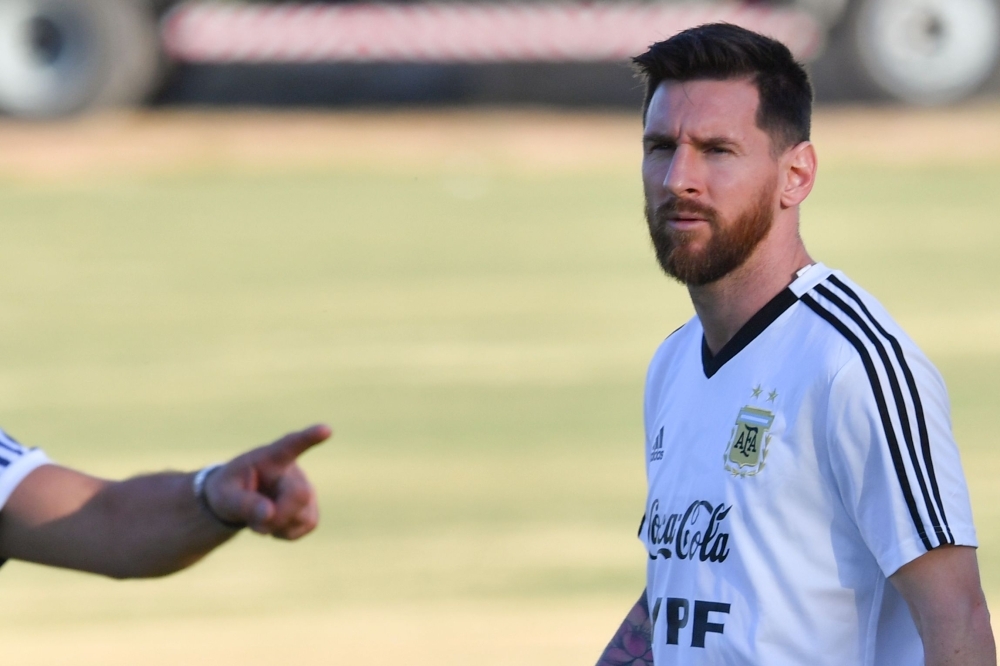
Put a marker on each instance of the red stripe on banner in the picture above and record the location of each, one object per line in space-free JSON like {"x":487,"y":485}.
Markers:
{"x":215,"y":32}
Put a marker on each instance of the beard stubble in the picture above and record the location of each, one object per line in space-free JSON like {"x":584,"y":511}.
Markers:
{"x":728,"y":247}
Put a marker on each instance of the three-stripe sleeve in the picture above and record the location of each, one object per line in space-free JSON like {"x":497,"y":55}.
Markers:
{"x":16,"y":463}
{"x":891,"y":447}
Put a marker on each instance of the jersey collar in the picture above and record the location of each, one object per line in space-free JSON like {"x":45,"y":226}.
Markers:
{"x":805,"y":279}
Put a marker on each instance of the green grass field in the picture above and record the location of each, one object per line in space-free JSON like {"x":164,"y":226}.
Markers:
{"x":477,"y":335}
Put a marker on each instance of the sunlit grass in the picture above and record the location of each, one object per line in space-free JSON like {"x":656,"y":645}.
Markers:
{"x":477,"y":340}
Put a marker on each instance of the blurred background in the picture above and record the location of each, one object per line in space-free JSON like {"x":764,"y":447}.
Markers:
{"x":60,"y":57}
{"x":422,"y":223}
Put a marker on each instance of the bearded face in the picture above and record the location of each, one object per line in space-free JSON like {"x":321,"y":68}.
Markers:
{"x":696,"y":261}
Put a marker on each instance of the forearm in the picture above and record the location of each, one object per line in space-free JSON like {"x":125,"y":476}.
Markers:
{"x":142,"y":527}
{"x":964,"y":639}
{"x":945,"y":596}
{"x":154,"y":525}
{"x":632,"y":645}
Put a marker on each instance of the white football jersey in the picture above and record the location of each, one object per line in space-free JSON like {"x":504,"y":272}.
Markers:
{"x":790,"y":475}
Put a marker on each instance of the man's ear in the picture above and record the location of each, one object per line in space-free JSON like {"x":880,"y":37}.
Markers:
{"x":798,"y":169}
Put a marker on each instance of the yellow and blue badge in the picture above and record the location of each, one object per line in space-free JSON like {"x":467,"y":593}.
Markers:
{"x":747,"y":449}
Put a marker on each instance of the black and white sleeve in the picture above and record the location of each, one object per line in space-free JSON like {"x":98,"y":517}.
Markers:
{"x":16,"y":463}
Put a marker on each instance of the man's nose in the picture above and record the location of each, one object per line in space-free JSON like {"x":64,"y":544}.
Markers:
{"x":683,"y":178}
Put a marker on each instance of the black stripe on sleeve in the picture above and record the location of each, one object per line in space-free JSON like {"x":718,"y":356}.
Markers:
{"x":890,"y":434}
{"x":11,"y":444}
{"x":918,"y":407}
{"x":901,"y":410}
{"x":16,"y":450}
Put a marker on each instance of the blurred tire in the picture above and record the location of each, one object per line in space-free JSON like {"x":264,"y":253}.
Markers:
{"x":59,"y":57}
{"x":925,"y":51}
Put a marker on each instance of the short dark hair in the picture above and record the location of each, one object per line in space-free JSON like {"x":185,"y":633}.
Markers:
{"x":722,"y":51}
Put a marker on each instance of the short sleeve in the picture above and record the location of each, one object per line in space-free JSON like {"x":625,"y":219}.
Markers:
{"x":895,"y":461}
{"x":16,"y":463}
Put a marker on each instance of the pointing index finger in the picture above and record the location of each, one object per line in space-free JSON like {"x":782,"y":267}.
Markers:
{"x":291,"y":446}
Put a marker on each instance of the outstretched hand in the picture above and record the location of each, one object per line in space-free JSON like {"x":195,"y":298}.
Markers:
{"x":265,"y":488}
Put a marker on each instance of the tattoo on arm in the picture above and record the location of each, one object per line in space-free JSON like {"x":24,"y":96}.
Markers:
{"x":633,"y":644}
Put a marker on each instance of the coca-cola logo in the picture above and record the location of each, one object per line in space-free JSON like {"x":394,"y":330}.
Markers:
{"x":697,"y":532}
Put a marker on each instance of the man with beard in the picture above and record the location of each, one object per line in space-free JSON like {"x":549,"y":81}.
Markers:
{"x":806,"y":500}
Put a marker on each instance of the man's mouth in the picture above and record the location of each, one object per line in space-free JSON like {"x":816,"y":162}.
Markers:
{"x":685,"y":222}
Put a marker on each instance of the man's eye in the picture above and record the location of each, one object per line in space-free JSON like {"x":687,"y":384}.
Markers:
{"x":719,"y":150}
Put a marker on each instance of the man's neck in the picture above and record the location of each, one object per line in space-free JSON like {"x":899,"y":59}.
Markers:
{"x":726,"y":305}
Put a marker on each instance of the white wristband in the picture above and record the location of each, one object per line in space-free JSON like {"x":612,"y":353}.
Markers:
{"x":198,"y":485}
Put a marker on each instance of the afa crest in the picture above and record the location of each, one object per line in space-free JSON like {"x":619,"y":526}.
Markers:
{"x":747,"y":449}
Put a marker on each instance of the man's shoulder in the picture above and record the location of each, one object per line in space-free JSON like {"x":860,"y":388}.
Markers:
{"x":859,"y":326}
{"x":850,"y":310}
